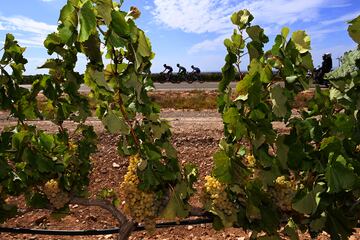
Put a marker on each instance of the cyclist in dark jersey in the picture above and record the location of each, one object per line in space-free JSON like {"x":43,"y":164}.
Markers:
{"x":182,"y":70}
{"x":195,"y":69}
{"x":168,"y":68}
{"x":168,"y":74}
{"x":326,"y":67}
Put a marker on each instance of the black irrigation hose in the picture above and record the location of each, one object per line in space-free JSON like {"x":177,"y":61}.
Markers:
{"x":98,"y":232}
{"x":59,"y":232}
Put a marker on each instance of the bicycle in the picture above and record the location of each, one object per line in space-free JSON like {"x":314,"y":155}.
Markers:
{"x":164,"y":77}
{"x":194,"y":76}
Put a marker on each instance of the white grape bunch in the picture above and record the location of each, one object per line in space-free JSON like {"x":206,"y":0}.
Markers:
{"x":283,"y":193}
{"x":140,"y":205}
{"x":57,"y":197}
{"x":218,"y":196}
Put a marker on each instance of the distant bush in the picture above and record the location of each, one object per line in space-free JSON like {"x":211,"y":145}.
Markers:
{"x":206,"y":77}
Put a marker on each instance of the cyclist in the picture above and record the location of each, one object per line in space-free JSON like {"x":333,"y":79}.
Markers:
{"x":195,"y":69}
{"x":326,"y":67}
{"x":196,"y":74}
{"x":182,"y":70}
{"x":169,"y":70}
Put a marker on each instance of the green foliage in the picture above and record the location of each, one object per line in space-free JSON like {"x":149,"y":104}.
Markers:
{"x":318,"y":153}
{"x":316,"y":159}
{"x":29,"y":157}
{"x":354,"y":29}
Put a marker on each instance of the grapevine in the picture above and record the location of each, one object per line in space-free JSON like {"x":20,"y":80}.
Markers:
{"x":58,"y":164}
{"x":322,"y":143}
{"x":310,"y":174}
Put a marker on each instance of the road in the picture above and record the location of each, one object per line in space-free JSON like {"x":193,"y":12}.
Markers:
{"x":184,"y":86}
{"x":189,"y":86}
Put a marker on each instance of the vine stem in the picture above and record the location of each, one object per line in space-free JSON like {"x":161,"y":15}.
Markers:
{"x":126,"y":226}
{"x":121,"y":103}
{"x":120,"y":217}
{"x":238,"y":68}
{"x":132,"y":131}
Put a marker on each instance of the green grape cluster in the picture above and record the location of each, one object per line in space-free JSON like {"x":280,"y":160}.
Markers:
{"x":138,"y":204}
{"x":283,"y":193}
{"x":57,"y":197}
{"x":218,"y":196}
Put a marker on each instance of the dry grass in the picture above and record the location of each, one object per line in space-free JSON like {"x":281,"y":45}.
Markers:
{"x":197,"y":100}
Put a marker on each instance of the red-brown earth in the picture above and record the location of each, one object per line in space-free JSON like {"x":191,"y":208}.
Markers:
{"x":195,"y":136}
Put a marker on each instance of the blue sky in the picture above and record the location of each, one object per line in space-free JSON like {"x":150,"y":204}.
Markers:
{"x":191,"y":32}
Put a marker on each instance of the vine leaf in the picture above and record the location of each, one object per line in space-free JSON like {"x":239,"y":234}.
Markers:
{"x":301,"y":41}
{"x":87,"y":22}
{"x":256,"y":33}
{"x":338,"y":225}
{"x":235,"y":126}
{"x":7,"y":211}
{"x":279,"y":101}
{"x":243,"y":86}
{"x":115,"y":124}
{"x":104,"y":8}
{"x":69,"y":19}
{"x":96,"y":79}
{"x":354,"y":29}
{"x":144,"y":47}
{"x":222,"y":167}
{"x":291,"y":230}
{"x":119,"y":25}
{"x":37,"y":200}
{"x":176,"y":207}
{"x":309,"y":203}
{"x":47,"y":141}
{"x":242,"y":18}
{"x":339,"y":176}
{"x":285,"y":32}
{"x":318,"y":224}
{"x":282,"y":151}
{"x":91,"y":48}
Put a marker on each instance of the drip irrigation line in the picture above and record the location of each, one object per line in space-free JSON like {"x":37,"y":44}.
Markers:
{"x":59,"y":232}
{"x":99,"y":231}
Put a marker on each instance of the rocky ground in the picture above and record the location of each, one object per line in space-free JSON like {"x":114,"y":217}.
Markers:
{"x":195,"y":136}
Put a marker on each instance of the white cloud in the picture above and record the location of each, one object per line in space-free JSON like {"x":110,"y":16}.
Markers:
{"x":35,"y":31}
{"x":26,"y":24}
{"x":213,"y":16}
{"x":342,"y":19}
{"x":208,"y":45}
{"x":147,"y":7}
{"x":190,"y":16}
